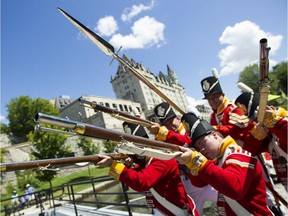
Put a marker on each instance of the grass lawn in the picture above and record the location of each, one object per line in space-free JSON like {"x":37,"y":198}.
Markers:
{"x":59,"y":180}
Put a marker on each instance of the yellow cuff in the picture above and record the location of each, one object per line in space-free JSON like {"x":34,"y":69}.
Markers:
{"x":162,"y":133}
{"x":282,"y":112}
{"x":116,"y":169}
{"x":259,"y":134}
{"x":196,"y":163}
{"x":276,"y":116}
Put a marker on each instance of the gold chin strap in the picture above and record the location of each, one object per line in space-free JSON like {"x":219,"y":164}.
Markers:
{"x":181,"y":129}
{"x":227,"y":142}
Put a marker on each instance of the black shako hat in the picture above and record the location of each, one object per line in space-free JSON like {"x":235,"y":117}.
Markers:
{"x":134,"y":129}
{"x":196,"y":126}
{"x":250,"y":100}
{"x":163,"y":112}
{"x":210,"y":85}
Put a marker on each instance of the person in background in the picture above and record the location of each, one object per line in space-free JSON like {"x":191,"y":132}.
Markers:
{"x":22,"y":202}
{"x":30,"y":190}
{"x":223,"y":164}
{"x":14,"y":198}
{"x":159,"y":179}
{"x":173,"y":131}
{"x":15,"y":201}
{"x":27,"y":198}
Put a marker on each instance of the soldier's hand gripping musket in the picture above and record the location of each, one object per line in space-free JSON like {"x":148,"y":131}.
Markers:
{"x":108,"y":49}
{"x":117,"y":114}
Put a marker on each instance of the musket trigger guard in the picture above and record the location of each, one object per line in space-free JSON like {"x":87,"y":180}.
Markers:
{"x":43,"y":168}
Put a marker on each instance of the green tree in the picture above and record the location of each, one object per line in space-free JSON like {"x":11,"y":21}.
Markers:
{"x":47,"y":145}
{"x":21,"y":113}
{"x":27,"y":177}
{"x":250,"y":77}
{"x":110,"y":146}
{"x":4,"y":129}
{"x":280,"y":78}
{"x":278,"y":84}
{"x":87,"y":145}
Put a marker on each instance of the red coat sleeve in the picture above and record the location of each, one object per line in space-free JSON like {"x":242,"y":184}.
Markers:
{"x":178,"y":139}
{"x":143,"y":180}
{"x":235,"y":177}
{"x":232,"y":123}
{"x":280,"y":130}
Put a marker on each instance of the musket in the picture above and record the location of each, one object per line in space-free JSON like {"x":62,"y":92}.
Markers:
{"x":108,"y":49}
{"x":153,"y":148}
{"x":43,"y":164}
{"x":117,"y":114}
{"x":264,"y":87}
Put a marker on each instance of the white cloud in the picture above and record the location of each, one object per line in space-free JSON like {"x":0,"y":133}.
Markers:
{"x":2,"y":118}
{"x":193,"y":102}
{"x":129,"y":13}
{"x":106,"y":26}
{"x":146,"y":32}
{"x":242,"y":48}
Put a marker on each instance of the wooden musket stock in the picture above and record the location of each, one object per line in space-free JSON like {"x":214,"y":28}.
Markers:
{"x":8,"y":167}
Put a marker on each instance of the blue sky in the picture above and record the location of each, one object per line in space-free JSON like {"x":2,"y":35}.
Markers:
{"x":44,"y":55}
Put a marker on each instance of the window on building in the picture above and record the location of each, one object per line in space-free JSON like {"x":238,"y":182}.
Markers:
{"x":125,"y":108}
{"x":121,"y":107}
{"x":107,"y":105}
{"x":114,"y":106}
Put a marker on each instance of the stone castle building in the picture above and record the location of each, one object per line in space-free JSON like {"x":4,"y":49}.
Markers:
{"x":127,"y":86}
{"x":131,"y":94}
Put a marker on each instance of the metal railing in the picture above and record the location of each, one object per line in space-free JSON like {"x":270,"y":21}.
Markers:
{"x":100,"y":192}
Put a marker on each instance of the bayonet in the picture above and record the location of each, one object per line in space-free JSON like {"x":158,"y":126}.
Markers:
{"x":108,"y":49}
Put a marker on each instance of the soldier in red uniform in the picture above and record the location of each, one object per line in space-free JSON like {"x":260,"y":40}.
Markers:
{"x":173,"y":131}
{"x":226,"y":117}
{"x":223,"y":164}
{"x":276,"y":122}
{"x":170,"y":128}
{"x":160,"y":179}
{"x":272,"y":134}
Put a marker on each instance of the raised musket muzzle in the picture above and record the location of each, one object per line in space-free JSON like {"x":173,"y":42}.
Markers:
{"x":56,"y":121}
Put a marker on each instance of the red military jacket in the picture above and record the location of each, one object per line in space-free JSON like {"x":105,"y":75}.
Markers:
{"x":229,"y":119}
{"x":161,"y":175}
{"x":280,"y":130}
{"x":239,"y":177}
{"x":276,"y":146}
{"x":250,"y":143}
{"x":169,"y":136}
